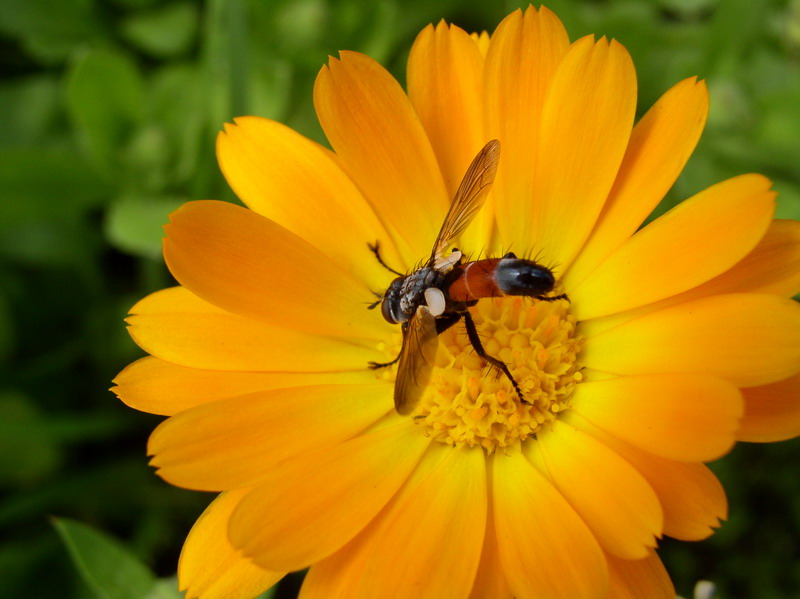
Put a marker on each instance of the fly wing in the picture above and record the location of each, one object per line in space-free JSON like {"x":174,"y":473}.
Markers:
{"x":416,"y":360}
{"x":469,"y":198}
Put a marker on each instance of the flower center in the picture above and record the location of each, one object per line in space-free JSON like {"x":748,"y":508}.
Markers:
{"x":469,"y":402}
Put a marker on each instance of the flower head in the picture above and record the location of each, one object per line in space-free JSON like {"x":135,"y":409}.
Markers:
{"x":555,"y":479}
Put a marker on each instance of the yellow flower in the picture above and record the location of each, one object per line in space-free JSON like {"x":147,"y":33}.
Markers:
{"x":678,"y":339}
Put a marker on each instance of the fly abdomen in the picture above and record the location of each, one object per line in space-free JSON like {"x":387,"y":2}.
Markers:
{"x":494,"y":277}
{"x":474,"y":280}
{"x":523,"y":277}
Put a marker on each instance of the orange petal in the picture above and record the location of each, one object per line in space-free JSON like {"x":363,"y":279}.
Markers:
{"x":637,"y":579}
{"x":441,"y":520}
{"x":445,"y":73}
{"x":324,"y":499}
{"x":445,"y":76}
{"x":426,"y":543}
{"x":384,"y":149}
{"x":748,"y":339}
{"x":244,"y":263}
{"x":692,"y":498}
{"x":586,"y":125}
{"x":688,"y":417}
{"x":772,"y":267}
{"x":158,"y":387}
{"x":663,"y":259}
{"x":771,"y":412}
{"x":298,"y":184}
{"x":659,"y":147}
{"x":614,"y":500}
{"x":524,"y":53}
{"x":179,"y":327}
{"x":490,"y":580}
{"x":545,"y":548}
{"x":235,"y":442}
{"x":210,"y":567}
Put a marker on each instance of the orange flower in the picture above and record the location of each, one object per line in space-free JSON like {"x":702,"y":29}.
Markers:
{"x":679,"y":338}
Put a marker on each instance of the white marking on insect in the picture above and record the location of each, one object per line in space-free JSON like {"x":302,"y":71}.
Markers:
{"x":435,"y":300}
{"x":446,"y":263}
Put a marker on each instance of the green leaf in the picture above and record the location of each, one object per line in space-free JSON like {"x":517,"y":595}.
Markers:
{"x":106,"y":566}
{"x":28,"y":450}
{"x":105,"y":96}
{"x":164,"y":31}
{"x":68,"y":242}
{"x":39,"y":185}
{"x":30,"y":106}
{"x":166,"y":588}
{"x":50,"y":29}
{"x":134,"y":224}
{"x":176,"y":103}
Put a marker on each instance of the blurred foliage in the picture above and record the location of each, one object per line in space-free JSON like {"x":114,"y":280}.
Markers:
{"x":111,"y":108}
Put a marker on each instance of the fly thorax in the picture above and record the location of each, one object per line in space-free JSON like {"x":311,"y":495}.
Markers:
{"x":412,"y":292}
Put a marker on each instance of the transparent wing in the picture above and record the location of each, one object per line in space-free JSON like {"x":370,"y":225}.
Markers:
{"x":416,"y":360}
{"x":469,"y":198}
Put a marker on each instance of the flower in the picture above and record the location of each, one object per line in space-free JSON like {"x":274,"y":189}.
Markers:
{"x":678,"y":340}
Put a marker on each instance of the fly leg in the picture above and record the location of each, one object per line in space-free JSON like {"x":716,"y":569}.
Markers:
{"x":376,"y":365}
{"x":475,"y":340}
{"x":375,"y":248}
{"x":552,"y":298}
{"x":446,"y":320}
{"x":442,"y":324}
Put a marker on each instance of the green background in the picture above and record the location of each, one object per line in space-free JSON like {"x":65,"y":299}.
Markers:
{"x":109,"y":112}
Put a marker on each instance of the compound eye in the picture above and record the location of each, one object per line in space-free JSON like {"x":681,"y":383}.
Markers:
{"x":386,"y":310}
{"x":390,"y":306}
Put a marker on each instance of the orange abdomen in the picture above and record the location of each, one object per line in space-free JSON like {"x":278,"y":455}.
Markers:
{"x":474,"y":280}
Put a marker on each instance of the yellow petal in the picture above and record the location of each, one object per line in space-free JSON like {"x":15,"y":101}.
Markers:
{"x":692,"y":498}
{"x":771,"y":412}
{"x":441,"y":520}
{"x":234,"y":442}
{"x":660,"y":145}
{"x":524,"y":53}
{"x":384,"y":149}
{"x":772,"y":267}
{"x":546,"y":550}
{"x":586,"y":125}
{"x":298,"y":184}
{"x":639,"y":579}
{"x":338,"y":576}
{"x":158,"y":387}
{"x":325,"y":498}
{"x":688,"y":417}
{"x":748,"y":339}
{"x":210,"y":567}
{"x":490,"y":580}
{"x":426,"y":543}
{"x":664,"y":258}
{"x":179,"y":327}
{"x":445,"y":73}
{"x":244,"y":263}
{"x":614,"y":500}
{"x":445,"y":76}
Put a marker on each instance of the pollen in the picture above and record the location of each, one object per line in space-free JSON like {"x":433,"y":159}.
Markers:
{"x":468,"y":402}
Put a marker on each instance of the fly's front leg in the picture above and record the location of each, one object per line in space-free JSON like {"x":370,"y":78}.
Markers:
{"x":475,"y":340}
{"x":376,"y":365}
{"x":375,"y":248}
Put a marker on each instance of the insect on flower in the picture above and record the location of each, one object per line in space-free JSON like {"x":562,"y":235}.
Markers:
{"x":437,"y":295}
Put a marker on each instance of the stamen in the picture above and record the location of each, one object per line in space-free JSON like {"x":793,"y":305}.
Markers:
{"x":469,"y":402}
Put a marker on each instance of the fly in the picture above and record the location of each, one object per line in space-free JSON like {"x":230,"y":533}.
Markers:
{"x":433,"y":298}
